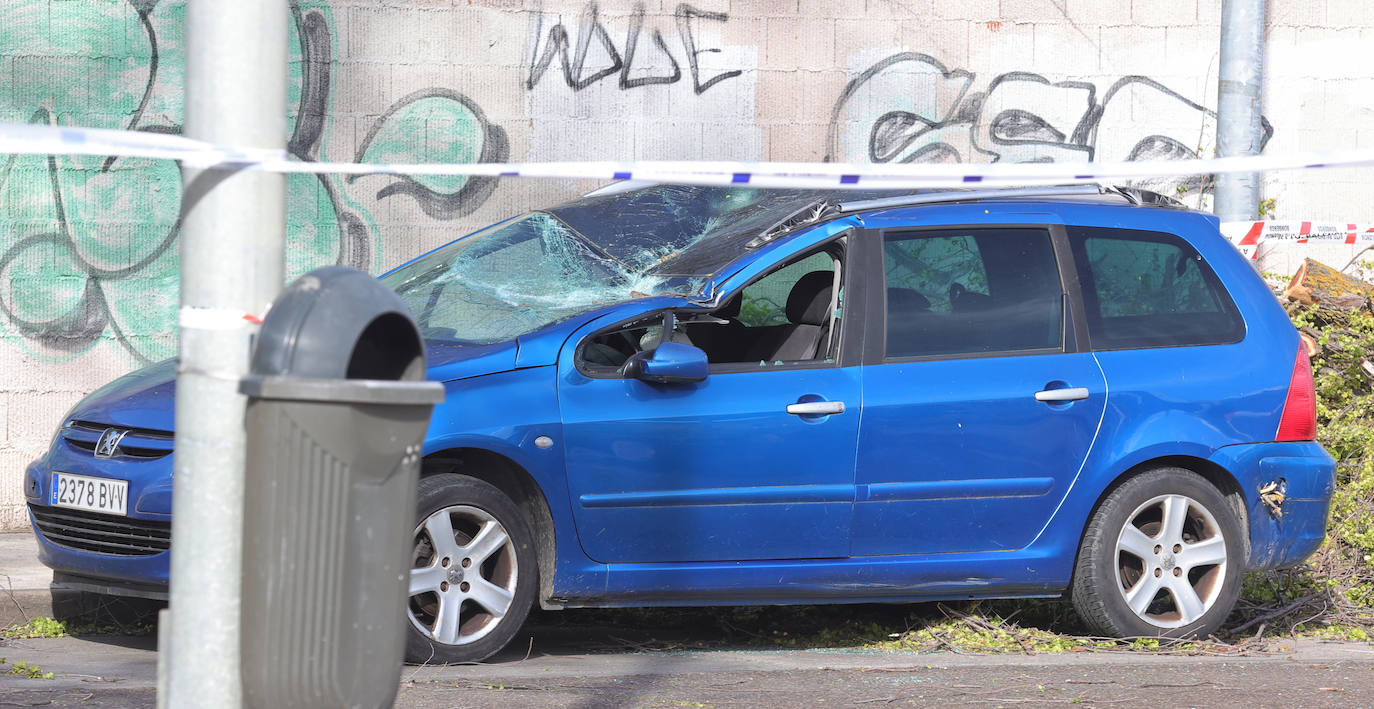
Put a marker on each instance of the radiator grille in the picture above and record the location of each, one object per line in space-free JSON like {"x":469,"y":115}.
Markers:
{"x":101,"y":533}
{"x":136,"y":443}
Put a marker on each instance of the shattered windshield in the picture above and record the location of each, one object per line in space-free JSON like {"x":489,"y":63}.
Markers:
{"x":516,"y":277}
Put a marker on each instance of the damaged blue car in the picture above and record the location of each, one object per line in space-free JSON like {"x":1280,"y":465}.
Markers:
{"x":667,"y":395}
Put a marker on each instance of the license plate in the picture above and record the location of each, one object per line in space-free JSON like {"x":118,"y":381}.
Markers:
{"x":87,"y":493}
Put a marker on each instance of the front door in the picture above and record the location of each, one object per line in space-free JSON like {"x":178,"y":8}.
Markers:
{"x":756,"y":461}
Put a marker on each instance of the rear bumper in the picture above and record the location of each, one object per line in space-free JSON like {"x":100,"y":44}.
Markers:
{"x":1307,"y":472}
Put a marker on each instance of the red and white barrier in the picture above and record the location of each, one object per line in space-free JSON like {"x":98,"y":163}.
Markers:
{"x":1248,"y":236}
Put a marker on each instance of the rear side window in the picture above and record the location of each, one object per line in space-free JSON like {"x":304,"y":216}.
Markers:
{"x":971,"y":292}
{"x":1150,"y":289}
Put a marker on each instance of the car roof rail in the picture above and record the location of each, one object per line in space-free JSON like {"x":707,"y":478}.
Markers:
{"x":959,"y":195}
{"x":1132,"y":195}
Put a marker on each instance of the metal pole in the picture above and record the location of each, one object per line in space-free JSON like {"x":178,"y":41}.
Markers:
{"x":1240,"y":82}
{"x":233,"y":229}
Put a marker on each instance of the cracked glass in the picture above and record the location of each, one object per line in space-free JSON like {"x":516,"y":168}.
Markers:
{"x":519,"y":276}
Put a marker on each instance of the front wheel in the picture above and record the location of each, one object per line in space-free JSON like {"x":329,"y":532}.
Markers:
{"x":473,"y":571}
{"x":1162,"y":556}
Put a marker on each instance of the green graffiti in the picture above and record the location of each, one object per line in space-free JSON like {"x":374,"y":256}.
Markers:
{"x":75,"y":59}
{"x":88,"y":246}
{"x":447,"y":128}
{"x":435,"y":125}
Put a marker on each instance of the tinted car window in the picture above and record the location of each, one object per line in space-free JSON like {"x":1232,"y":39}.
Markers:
{"x":971,"y":292}
{"x":1150,"y":289}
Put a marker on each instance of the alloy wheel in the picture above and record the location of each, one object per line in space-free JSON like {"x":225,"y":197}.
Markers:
{"x":1171,"y":561}
{"x":463,"y":575}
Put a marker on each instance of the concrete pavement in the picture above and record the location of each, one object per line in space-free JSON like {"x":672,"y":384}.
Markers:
{"x":24,"y":582}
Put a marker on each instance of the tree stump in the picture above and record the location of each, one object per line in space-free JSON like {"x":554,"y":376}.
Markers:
{"x":1316,"y":283}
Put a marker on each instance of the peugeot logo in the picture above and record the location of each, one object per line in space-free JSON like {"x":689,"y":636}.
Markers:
{"x":108,"y":445}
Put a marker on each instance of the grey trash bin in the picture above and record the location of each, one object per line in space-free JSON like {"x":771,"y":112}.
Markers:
{"x":336,"y":416}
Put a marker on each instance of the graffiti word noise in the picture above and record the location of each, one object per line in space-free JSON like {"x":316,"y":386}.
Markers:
{"x":591,"y":33}
{"x":909,"y":107}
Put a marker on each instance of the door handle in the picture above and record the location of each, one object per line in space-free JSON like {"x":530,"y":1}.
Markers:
{"x":1072,"y":394}
{"x":816,"y":408}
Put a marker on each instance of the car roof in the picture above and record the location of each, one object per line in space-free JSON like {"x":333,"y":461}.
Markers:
{"x":663,"y":221}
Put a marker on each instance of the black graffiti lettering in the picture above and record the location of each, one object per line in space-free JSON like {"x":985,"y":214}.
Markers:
{"x":1016,"y":125}
{"x":632,"y":43}
{"x":685,"y":14}
{"x":911,"y":108}
{"x":894,"y":132}
{"x":555,"y":43}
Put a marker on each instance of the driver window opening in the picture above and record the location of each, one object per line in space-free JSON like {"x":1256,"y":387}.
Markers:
{"x":791,"y":315}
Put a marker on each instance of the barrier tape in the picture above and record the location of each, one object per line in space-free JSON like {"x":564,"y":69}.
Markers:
{"x":196,"y":318}
{"x":1247,"y":236}
{"x":55,"y":140}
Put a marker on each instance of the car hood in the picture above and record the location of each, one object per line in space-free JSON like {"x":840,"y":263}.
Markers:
{"x":144,"y":398}
{"x":140,"y":399}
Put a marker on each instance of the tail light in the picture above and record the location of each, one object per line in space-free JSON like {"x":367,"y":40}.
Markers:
{"x":1299,"y":420}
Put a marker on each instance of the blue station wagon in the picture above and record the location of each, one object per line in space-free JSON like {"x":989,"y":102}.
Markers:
{"x":668,"y":395}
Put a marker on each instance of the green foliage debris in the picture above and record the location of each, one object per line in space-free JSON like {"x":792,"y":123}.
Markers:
{"x":1332,"y":595}
{"x":23,"y":669}
{"x":36,"y":628}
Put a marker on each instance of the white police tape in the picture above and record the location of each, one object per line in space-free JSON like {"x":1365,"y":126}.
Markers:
{"x":1247,"y":236}
{"x":57,"y":140}
{"x":191,"y":317}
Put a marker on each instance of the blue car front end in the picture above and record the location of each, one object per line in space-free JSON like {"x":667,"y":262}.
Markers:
{"x":121,"y":555}
{"x":496,"y":404}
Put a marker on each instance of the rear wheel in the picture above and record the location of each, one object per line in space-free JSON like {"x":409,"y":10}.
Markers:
{"x":473,"y":571}
{"x":1161,"y":556}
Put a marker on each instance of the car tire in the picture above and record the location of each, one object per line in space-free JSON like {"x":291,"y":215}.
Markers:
{"x":1162,"y":556}
{"x":473,"y":572}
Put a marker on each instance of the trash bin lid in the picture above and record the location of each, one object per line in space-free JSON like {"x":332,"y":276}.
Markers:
{"x":339,"y":322}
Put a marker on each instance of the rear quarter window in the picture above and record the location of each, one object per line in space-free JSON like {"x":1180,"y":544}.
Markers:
{"x":1150,"y":289}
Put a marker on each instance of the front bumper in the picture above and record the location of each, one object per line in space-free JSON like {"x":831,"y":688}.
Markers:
{"x":1308,"y":475}
{"x":144,"y":575}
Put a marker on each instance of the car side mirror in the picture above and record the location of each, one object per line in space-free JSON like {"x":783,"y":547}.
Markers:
{"x":669,"y":363}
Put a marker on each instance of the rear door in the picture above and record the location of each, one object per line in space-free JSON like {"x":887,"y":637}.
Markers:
{"x":978,"y":409}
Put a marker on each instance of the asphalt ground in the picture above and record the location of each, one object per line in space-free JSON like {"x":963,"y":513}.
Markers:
{"x":121,"y":671}
{"x":616,"y":666}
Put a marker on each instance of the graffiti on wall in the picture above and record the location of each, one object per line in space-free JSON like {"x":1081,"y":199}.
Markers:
{"x":595,"y":55}
{"x":453,"y":129}
{"x":909,"y":107}
{"x":88,"y":246}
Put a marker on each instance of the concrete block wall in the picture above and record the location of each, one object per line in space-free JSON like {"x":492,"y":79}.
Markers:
{"x":88,"y":247}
